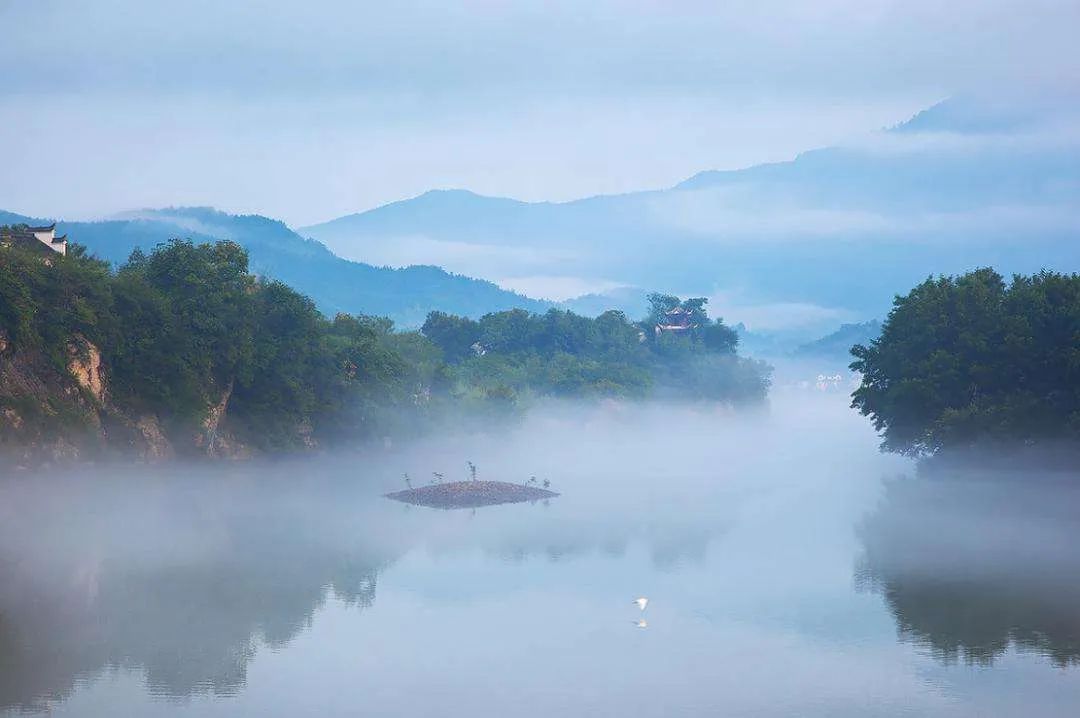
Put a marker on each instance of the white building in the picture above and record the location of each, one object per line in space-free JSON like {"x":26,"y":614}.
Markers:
{"x":35,"y":236}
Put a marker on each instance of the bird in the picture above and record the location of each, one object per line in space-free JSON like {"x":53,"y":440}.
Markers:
{"x":641,"y":602}
{"x":641,"y":623}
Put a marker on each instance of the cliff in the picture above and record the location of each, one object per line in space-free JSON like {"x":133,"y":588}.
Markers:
{"x":50,"y":414}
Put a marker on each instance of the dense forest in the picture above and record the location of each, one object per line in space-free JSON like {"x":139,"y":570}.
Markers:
{"x":563,"y":354}
{"x":187,"y":328}
{"x":971,"y":362}
{"x":188,"y":336}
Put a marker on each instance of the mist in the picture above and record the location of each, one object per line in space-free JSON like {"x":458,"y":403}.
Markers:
{"x":780,"y":551}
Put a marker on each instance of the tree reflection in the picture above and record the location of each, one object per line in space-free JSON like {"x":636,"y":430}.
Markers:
{"x":190,"y":610}
{"x":973,"y":565}
{"x":183,"y":575}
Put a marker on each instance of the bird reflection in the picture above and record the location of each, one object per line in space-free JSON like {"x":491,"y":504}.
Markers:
{"x":641,"y":602}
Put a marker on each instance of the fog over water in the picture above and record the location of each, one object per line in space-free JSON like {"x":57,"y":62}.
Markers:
{"x":791,"y":570}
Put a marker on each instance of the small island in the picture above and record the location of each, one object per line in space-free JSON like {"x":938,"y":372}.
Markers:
{"x":470,"y":494}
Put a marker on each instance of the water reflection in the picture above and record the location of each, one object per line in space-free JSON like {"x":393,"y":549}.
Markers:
{"x":296,"y":589}
{"x":89,"y":585}
{"x":972,"y":565}
{"x":185,"y":574}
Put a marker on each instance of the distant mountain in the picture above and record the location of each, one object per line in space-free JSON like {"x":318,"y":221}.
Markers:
{"x":838,"y":344}
{"x":631,"y":301}
{"x":336,"y":284}
{"x":828,"y":237}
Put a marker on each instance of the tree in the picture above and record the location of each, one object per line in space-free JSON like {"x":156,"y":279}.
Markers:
{"x":695,"y":308}
{"x":963,"y":361}
{"x":659,"y":306}
{"x":507,"y":332}
{"x":720,"y":338}
{"x":454,"y":335}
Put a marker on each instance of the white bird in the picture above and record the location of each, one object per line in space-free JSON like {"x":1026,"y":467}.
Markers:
{"x":642,"y":623}
{"x":641,"y":602}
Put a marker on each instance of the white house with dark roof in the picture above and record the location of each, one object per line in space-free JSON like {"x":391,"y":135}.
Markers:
{"x":35,"y":236}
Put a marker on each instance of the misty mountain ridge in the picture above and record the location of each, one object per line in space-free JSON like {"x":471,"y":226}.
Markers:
{"x":823,"y":239}
{"x":406,"y":295}
{"x":838,"y":344}
{"x":789,"y":249}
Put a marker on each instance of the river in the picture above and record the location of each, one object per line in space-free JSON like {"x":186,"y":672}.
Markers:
{"x":791,"y":570}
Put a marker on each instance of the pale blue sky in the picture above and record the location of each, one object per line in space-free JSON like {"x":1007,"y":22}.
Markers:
{"x":310,"y":110}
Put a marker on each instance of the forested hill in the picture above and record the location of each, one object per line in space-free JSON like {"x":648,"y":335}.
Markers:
{"x":277,"y":252}
{"x":182,"y":351}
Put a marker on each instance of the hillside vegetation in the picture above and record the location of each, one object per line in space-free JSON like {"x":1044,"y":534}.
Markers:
{"x":183,"y":350}
{"x":560,"y":353}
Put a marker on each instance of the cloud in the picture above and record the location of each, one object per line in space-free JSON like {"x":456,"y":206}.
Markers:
{"x":310,"y":161}
{"x":802,"y":318}
{"x":462,"y":257}
{"x":554,"y":46}
{"x":738,"y":215}
{"x":313,"y":110}
{"x":725,"y":214}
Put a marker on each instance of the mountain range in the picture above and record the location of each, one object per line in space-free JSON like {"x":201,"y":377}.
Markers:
{"x":799,"y":246}
{"x":405,"y":295}
{"x":788,"y":250}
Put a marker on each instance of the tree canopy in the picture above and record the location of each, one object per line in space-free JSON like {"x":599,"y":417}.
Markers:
{"x":186,"y":327}
{"x":970,"y":360}
{"x":559,"y":353}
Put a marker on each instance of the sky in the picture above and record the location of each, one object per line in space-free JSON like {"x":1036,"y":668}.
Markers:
{"x":307,"y":111}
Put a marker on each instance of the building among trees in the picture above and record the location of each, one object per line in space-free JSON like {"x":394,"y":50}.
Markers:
{"x":678,"y":321}
{"x":34,"y":237}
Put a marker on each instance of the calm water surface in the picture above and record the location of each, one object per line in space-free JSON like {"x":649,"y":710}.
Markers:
{"x":790,"y":573}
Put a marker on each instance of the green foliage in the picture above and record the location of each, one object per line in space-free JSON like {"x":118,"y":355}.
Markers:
{"x":186,"y":326}
{"x":720,"y":338}
{"x":659,"y":306}
{"x":454,"y":335}
{"x":187,"y":322}
{"x":44,"y":300}
{"x":516,"y":354}
{"x":963,"y":361}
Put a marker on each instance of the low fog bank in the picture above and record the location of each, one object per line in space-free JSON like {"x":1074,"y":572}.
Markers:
{"x":975,"y":562}
{"x":1051,"y":461}
{"x":184,"y":571}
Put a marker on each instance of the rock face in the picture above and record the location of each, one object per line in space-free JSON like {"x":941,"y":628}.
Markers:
{"x":156,"y":445}
{"x":84,"y":363}
{"x":470,"y":494}
{"x":45,"y":415}
{"x":49,"y":415}
{"x":65,"y":412}
{"x":210,"y":439}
